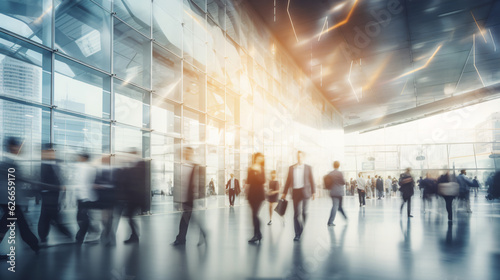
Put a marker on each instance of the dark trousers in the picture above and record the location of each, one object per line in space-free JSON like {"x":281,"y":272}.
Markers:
{"x":83,"y":219}
{"x":50,"y":214}
{"x":449,"y":200}
{"x":232,"y":195}
{"x":131,"y":209}
{"x":408,"y":206}
{"x":21,"y":224}
{"x":299,"y":209}
{"x":187,"y":209}
{"x":255,"y":206}
{"x":336,"y":205}
{"x":362,"y":195}
{"x":380,"y":193}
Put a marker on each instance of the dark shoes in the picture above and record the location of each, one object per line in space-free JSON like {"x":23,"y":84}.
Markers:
{"x":331,"y":224}
{"x":177,"y":243}
{"x":296,"y":238}
{"x":255,"y":239}
{"x":132,"y":239}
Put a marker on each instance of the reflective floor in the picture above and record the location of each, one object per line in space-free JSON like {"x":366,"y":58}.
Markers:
{"x":375,"y":243}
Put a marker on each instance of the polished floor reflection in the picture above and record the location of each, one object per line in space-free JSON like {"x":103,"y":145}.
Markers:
{"x":375,"y":243}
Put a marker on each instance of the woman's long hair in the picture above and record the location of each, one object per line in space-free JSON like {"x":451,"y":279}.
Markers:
{"x":254,"y":157}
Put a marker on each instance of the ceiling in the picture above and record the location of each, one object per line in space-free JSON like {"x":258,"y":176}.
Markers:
{"x":373,"y":58}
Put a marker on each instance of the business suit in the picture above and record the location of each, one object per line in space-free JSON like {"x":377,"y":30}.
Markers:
{"x":256,"y":195}
{"x":187,"y":205}
{"x":336,"y":193}
{"x":27,"y":235}
{"x":302,"y":191}
{"x":233,"y":192}
{"x":49,"y":212}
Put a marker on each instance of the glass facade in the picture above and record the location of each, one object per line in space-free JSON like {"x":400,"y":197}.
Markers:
{"x":109,"y":75}
{"x":465,"y":138}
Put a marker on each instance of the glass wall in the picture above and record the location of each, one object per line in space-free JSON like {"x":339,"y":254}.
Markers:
{"x":465,"y":138}
{"x":110,"y":75}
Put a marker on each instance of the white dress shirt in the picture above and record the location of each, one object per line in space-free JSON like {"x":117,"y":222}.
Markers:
{"x":298,"y":176}
{"x":231,"y":186}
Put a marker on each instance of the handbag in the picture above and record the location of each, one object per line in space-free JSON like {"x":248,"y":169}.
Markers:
{"x":281,"y":208}
{"x":449,"y":189}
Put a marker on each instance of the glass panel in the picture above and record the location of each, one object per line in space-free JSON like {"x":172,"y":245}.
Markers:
{"x":215,"y":132}
{"x":195,"y":35}
{"x":131,"y":104}
{"x":216,"y":10}
{"x":194,"y":127}
{"x":128,"y":138}
{"x":233,"y":108}
{"x":215,"y":51}
{"x":81,"y":89}
{"x":165,"y":116}
{"x":162,"y":173}
{"x":30,"y":19}
{"x":83,"y":32}
{"x":135,"y":13}
{"x":215,"y":99}
{"x":76,"y":133}
{"x":462,"y":156}
{"x":194,"y":87}
{"x":24,"y":70}
{"x":486,"y":154}
{"x":167,"y":74}
{"x":131,"y":55}
{"x":233,"y":65}
{"x":31,"y":124}
{"x":167,"y":24}
{"x":202,"y":4}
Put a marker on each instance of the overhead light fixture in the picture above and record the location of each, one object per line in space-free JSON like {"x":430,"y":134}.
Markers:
{"x":480,"y":30}
{"x":291,"y":21}
{"x":350,"y":83}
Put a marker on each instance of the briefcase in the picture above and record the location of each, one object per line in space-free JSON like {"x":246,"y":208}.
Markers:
{"x":281,"y":208}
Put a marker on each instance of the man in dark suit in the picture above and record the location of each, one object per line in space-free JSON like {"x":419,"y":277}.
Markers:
{"x":10,"y":171}
{"x":233,"y":186}
{"x":380,"y":187}
{"x":132,"y":182}
{"x":300,"y":179}
{"x":190,"y":191}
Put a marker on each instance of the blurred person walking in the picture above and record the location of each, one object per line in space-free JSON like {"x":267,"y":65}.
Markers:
{"x":448,"y":188}
{"x":190,"y":191}
{"x":105,"y":187}
{"x":380,"y":187}
{"x":10,"y":176}
{"x":475,"y":185}
{"x":336,"y":188}
{"x":256,"y":178}
{"x":465,"y":185}
{"x":50,"y":189}
{"x":388,"y":186}
{"x":428,"y":187}
{"x":368,"y":187}
{"x":272,"y":195}
{"x":361,"y":186}
{"x":353,"y":186}
{"x":233,"y":187}
{"x":394,"y":187}
{"x":407,"y":185}
{"x":300,"y":180}
{"x":86,"y":195}
{"x":131,"y":182}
